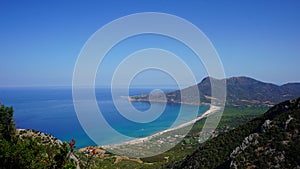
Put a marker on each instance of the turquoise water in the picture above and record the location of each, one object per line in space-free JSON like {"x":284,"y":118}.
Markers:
{"x":51,"y":110}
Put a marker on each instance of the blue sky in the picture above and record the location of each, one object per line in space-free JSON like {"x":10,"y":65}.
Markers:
{"x":40,"y":40}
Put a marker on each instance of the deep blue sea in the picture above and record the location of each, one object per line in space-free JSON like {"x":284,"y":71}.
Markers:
{"x":51,"y":110}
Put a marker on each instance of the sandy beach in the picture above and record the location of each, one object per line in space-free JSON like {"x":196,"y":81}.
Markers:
{"x":211,"y":110}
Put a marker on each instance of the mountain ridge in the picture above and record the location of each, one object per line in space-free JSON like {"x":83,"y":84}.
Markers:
{"x":241,"y":90}
{"x":269,"y":141}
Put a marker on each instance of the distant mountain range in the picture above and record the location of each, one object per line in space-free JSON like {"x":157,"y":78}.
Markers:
{"x":269,"y":141}
{"x":240,"y":91}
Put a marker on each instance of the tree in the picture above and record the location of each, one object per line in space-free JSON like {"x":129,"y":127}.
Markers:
{"x":7,"y":126}
{"x":28,"y":152}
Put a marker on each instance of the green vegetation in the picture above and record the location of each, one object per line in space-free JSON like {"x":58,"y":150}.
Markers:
{"x":278,"y":144}
{"x":268,"y":141}
{"x":244,"y":138}
{"x":232,"y":118}
{"x":17,"y":150}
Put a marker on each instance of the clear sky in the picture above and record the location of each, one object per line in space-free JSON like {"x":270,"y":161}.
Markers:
{"x":40,"y":40}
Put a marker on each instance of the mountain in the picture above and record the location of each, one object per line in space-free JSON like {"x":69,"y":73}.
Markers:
{"x":269,"y":141}
{"x":240,"y":91}
{"x":245,"y":90}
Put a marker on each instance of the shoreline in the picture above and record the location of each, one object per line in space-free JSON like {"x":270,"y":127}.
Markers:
{"x":211,"y":110}
{"x":131,"y":99}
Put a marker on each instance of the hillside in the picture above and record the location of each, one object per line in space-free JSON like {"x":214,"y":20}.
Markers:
{"x":269,"y":141}
{"x":240,"y":91}
{"x":20,"y":148}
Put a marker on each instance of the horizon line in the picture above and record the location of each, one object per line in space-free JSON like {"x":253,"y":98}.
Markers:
{"x":142,"y":85}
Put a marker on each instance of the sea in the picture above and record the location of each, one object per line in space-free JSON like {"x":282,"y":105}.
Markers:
{"x":51,"y":110}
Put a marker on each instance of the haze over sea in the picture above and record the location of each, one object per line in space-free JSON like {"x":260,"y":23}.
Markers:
{"x":51,"y":110}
